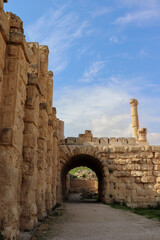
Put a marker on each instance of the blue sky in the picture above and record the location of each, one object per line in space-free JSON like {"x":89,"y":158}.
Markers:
{"x":102,"y":54}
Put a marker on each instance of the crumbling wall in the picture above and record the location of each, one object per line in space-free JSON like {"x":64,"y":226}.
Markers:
{"x":28,"y":130}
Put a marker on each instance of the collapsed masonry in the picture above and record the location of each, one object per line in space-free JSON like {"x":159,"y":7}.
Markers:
{"x":34,"y":156}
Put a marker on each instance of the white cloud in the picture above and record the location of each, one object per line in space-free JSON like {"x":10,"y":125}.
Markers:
{"x":154,"y":138}
{"x":92,"y":72}
{"x":114,"y":126}
{"x":105,"y":110}
{"x":59,"y":29}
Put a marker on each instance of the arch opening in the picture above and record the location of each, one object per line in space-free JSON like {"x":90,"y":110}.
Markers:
{"x":87,"y":161}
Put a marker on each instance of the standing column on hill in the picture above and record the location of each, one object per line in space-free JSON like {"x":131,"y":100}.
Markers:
{"x":134,"y":114}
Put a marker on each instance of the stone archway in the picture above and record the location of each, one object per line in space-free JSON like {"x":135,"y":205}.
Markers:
{"x":73,"y":156}
{"x":88,"y":161}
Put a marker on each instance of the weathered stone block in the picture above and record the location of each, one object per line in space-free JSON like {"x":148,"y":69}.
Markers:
{"x":131,"y":140}
{"x":70,"y":140}
{"x":147,"y":179}
{"x":122,"y":140}
{"x":29,"y":141}
{"x":112,"y":140}
{"x":104,"y":140}
{"x":137,"y":173}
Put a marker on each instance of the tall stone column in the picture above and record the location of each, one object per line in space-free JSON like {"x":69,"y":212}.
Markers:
{"x":134,"y":114}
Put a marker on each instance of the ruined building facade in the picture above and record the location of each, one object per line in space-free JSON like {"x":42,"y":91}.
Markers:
{"x":34,"y":156}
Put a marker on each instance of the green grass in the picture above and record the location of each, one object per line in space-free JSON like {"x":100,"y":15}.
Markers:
{"x":75,"y":170}
{"x":151,"y":213}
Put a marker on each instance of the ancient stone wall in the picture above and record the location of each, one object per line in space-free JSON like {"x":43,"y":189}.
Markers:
{"x":29,"y":130}
{"x":79,"y":185}
{"x":130,"y":174}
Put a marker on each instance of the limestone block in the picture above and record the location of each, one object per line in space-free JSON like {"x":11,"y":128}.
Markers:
{"x":147,"y":167}
{"x":135,"y":149}
{"x":32,"y":116}
{"x":158,"y":179}
{"x":137,"y":173}
{"x":29,"y":141}
{"x":28,"y":168}
{"x":157,"y":186}
{"x":137,"y":167}
{"x":112,"y":140}
{"x":157,"y":167}
{"x":1,"y":4}
{"x":15,"y":22}
{"x":155,"y":148}
{"x":2,"y":46}
{"x":148,"y":179}
{"x":32,"y":95}
{"x":157,"y":155}
{"x":28,"y":154}
{"x":156,"y":173}
{"x":71,"y":140}
{"x":95,"y":140}
{"x":41,"y":143}
{"x":11,"y":66}
{"x":156,"y":161}
{"x":31,"y":128}
{"x":43,"y":130}
{"x":131,"y":140}
{"x":122,"y":140}
{"x":121,"y":161}
{"x":104,"y":140}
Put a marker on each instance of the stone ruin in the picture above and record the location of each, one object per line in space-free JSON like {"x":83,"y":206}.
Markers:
{"x":34,"y":156}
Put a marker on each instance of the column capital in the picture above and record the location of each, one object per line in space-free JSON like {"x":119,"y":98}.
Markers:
{"x":133,"y":102}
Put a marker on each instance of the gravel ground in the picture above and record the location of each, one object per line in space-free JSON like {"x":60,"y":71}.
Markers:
{"x":96,"y":221}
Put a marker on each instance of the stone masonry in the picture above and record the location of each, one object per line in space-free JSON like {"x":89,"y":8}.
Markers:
{"x":34,"y":156}
{"x":29,"y":130}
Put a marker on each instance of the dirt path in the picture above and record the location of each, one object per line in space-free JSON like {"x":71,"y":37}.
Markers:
{"x":95,"y":221}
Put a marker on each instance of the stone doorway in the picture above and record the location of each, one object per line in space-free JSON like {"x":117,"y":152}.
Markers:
{"x":83,"y":160}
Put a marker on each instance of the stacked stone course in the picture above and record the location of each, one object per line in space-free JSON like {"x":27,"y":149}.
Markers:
{"x":28,"y":130}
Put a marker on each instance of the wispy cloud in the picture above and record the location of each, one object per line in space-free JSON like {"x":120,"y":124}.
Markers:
{"x":142,"y":12}
{"x":139,"y":17}
{"x":92,"y":72}
{"x":59,"y":29}
{"x":117,"y":39}
{"x":101,"y":11}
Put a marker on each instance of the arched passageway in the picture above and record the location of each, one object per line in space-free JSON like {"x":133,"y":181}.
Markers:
{"x":83,"y":160}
